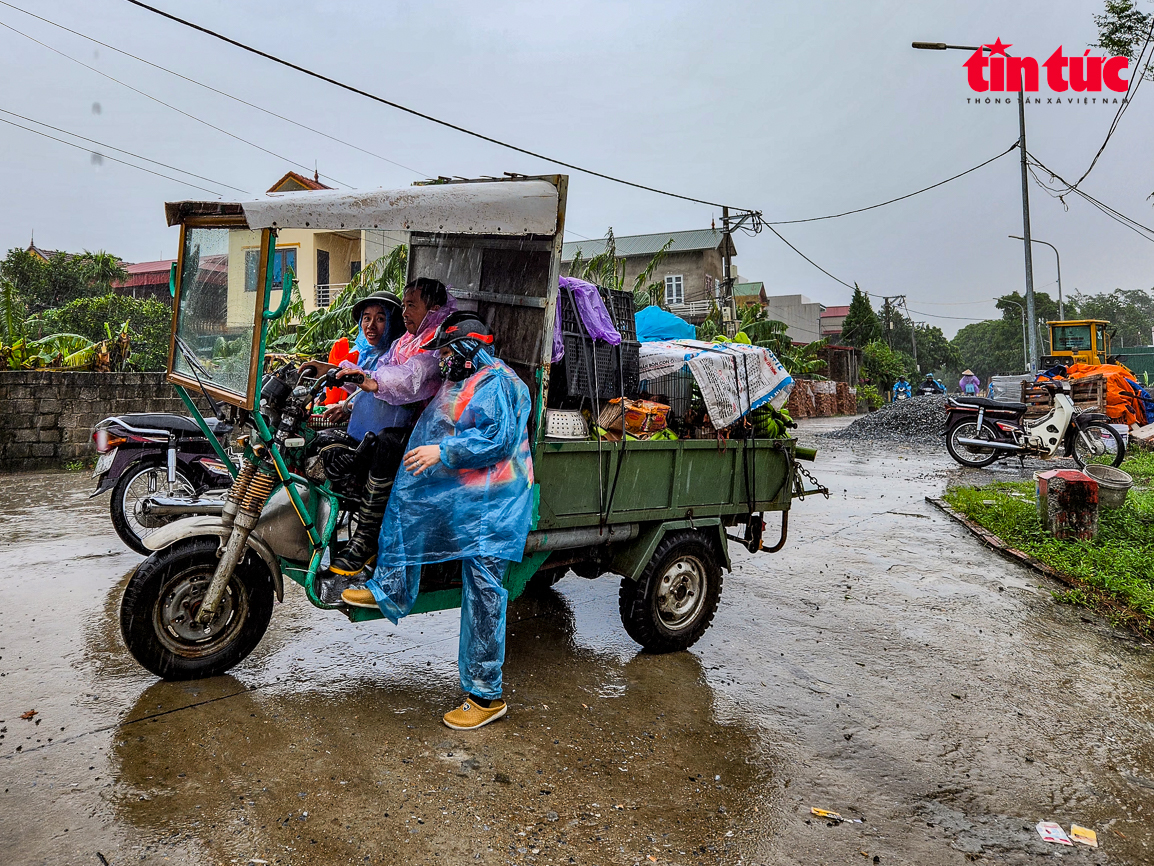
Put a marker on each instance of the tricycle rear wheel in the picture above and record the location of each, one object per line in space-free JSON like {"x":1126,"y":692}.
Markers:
{"x":157,"y":613}
{"x":669,"y":607}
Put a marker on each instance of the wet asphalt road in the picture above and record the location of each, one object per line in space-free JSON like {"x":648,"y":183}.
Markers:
{"x":883,"y":665}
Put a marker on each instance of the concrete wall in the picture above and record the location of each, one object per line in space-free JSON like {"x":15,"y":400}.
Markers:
{"x":801,"y":315}
{"x":47,"y":417}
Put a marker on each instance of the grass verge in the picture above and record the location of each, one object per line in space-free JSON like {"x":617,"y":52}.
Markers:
{"x":1118,"y":564}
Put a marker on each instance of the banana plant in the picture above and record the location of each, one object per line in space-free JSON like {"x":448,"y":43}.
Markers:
{"x":11,"y":311}
{"x":772,"y":335}
{"x":607,"y":270}
{"x":317,"y":331}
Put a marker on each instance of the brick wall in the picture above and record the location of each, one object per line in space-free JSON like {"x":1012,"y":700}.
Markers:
{"x":46,"y":418}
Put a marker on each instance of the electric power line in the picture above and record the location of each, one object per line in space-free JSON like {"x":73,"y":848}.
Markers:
{"x":121,"y":150}
{"x":1131,"y":88}
{"x":899,"y":198}
{"x":216,"y":90}
{"x":938,"y":316}
{"x":1132,"y":224}
{"x":162,"y":102}
{"x":808,"y":259}
{"x":303,"y":70}
{"x":113,"y":158}
{"x":956,"y":303}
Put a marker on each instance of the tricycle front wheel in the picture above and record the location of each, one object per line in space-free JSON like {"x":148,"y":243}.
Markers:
{"x":158,"y":611}
{"x":669,"y":607}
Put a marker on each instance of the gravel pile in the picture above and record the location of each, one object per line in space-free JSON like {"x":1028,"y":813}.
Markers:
{"x":917,"y":420}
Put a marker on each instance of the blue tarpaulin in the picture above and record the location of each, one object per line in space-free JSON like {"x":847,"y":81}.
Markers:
{"x":654,"y":323}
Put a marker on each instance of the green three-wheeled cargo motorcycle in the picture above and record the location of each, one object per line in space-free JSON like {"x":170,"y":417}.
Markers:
{"x":657,"y":513}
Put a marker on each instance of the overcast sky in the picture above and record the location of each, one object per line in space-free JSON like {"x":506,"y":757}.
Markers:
{"x":797,"y":109}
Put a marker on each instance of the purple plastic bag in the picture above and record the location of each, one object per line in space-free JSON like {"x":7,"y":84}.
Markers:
{"x":592,"y":312}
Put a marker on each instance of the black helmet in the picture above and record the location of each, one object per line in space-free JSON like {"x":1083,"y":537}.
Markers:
{"x":381,"y":299}
{"x":461,"y":325}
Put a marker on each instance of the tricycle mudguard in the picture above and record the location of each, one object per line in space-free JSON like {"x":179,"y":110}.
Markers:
{"x":630,"y":559}
{"x":208,"y":524}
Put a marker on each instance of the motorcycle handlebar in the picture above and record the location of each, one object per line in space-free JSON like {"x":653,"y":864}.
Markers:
{"x":330,"y":380}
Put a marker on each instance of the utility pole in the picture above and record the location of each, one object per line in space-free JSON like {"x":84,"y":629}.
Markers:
{"x":1031,"y":315}
{"x":1026,"y":243}
{"x":913,"y":334}
{"x":886,"y":325}
{"x":727,"y":283}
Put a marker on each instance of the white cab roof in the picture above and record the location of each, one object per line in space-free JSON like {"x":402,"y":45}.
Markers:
{"x":507,"y":207}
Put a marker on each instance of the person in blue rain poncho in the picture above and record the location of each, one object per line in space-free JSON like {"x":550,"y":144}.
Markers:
{"x":902,"y":389}
{"x":464,"y":493}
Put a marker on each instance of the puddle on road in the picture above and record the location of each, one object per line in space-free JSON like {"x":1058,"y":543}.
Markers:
{"x":344,"y":775}
{"x":606,"y":756}
{"x":880,"y":665}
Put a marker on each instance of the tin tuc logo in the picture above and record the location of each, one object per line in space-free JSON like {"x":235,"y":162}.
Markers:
{"x":1081,"y":74}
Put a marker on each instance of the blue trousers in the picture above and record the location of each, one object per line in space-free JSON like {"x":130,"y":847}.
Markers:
{"x":481,"y":652}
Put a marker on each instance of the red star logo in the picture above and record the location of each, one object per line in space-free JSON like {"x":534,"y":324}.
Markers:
{"x":998,"y":47}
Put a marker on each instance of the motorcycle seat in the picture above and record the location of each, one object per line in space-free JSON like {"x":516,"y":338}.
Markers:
{"x":179,"y":424}
{"x":987,"y":403}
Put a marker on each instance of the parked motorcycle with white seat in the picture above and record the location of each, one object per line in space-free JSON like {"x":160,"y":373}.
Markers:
{"x":980,"y":431}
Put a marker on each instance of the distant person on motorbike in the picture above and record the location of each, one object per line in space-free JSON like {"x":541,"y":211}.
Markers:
{"x":930,"y":386}
{"x":902,"y":390}
{"x":397,"y":375}
{"x":465,"y":493}
{"x":969,"y":384}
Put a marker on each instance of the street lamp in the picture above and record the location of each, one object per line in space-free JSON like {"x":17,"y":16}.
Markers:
{"x":1061,"y":307}
{"x":942,"y":46}
{"x":1025,"y":363}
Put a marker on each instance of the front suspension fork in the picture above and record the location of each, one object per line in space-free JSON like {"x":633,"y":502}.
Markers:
{"x":249,"y":492}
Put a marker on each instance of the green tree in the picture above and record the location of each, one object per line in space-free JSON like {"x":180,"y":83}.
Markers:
{"x":149,"y":324}
{"x":100,"y":270}
{"x":65,"y":280}
{"x":1122,"y":30}
{"x":990,"y":348}
{"x":1129,"y":311}
{"x":27,"y":273}
{"x":934,"y":351}
{"x":44,"y":285}
{"x":799,"y":360}
{"x":882,"y":366}
{"x":861,"y":325}
{"x":1046,"y":310}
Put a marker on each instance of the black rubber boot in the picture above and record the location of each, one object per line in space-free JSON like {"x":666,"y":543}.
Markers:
{"x":362,"y":547}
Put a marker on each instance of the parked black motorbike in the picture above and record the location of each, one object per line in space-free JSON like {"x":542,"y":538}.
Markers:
{"x":160,"y":467}
{"x":980,"y":431}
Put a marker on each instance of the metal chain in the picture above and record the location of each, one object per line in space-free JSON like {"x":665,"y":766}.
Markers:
{"x":799,"y":485}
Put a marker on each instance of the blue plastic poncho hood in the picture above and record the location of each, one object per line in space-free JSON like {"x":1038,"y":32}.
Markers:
{"x":371,"y":415}
{"x":478,"y":500}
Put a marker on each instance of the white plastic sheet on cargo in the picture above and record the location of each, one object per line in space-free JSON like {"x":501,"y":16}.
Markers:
{"x":733,"y":377}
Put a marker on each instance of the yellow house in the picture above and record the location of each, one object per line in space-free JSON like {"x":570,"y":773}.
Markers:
{"x":323,"y":261}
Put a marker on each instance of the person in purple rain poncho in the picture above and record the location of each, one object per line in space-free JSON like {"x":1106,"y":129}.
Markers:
{"x":969,"y":384}
{"x":397,"y":381}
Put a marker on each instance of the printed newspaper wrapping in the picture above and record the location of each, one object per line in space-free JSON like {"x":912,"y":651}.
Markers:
{"x":733,"y":378}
